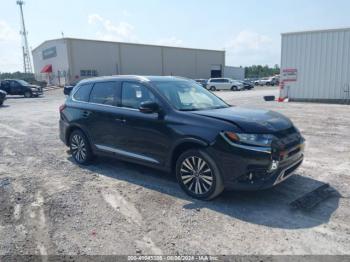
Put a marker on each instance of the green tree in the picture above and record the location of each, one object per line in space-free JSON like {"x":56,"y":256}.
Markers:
{"x":258,"y":71}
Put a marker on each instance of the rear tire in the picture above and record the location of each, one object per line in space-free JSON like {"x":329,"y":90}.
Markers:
{"x":80,"y":148}
{"x":28,"y":94}
{"x":212,"y":88}
{"x":198,"y":175}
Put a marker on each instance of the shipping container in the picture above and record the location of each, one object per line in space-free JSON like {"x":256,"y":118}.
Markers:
{"x":315,"y":66}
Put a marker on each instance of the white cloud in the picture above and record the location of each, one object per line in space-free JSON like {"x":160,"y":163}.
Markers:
{"x":94,"y":18}
{"x":248,"y":48}
{"x":124,"y":32}
{"x":107,"y":30}
{"x":7,"y":33}
{"x":10,"y":46}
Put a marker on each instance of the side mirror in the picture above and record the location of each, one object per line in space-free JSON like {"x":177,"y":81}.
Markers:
{"x":149,"y":107}
{"x":67,"y":90}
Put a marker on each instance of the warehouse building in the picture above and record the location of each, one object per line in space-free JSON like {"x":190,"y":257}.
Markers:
{"x":65,"y":60}
{"x":234,"y":72}
{"x":315,"y":66}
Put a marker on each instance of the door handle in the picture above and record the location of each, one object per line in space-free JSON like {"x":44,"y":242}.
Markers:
{"x":86,"y":114}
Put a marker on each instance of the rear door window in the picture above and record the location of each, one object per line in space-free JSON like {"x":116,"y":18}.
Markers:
{"x":104,"y":93}
{"x":83,"y":93}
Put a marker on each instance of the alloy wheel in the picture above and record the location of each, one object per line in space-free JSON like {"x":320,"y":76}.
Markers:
{"x":78,"y":148}
{"x":196,"y":175}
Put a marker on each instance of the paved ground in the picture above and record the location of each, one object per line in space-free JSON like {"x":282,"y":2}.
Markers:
{"x":49,"y":205}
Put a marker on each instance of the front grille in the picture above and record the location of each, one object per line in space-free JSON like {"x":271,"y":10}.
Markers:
{"x":294,"y":151}
{"x":291,"y":169}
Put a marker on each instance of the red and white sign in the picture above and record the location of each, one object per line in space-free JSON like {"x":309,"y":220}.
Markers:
{"x":289,"y":75}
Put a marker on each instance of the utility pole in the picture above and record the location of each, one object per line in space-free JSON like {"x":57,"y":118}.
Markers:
{"x":27,"y":63}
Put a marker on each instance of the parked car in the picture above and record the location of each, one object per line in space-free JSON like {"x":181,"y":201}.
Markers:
{"x":267,"y":81}
{"x":20,"y":87}
{"x":2,"y":97}
{"x":202,"y":82}
{"x":68,"y":88}
{"x":247,"y":85}
{"x":38,"y":83}
{"x":175,"y":125}
{"x":259,"y":82}
{"x":224,"y":84}
{"x":275,"y":81}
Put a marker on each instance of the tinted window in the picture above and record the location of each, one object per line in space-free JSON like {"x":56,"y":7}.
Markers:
{"x":188,"y":96}
{"x":104,"y":93}
{"x":83,"y":93}
{"x":133,"y":94}
{"x":225,"y":80}
{"x":14,"y":84}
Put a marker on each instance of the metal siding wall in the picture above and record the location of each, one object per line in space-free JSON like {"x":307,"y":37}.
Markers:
{"x":346,"y":64}
{"x":205,"y":59}
{"x":322,"y":60}
{"x":234,"y":72}
{"x":93,"y":55}
{"x":141,"y":60}
{"x":180,"y":62}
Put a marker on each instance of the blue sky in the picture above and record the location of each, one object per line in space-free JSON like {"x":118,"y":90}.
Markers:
{"x":249,"y":30}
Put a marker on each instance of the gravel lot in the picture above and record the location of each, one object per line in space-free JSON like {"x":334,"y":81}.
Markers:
{"x":49,"y":205}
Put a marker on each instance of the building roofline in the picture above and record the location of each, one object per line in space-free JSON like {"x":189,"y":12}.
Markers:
{"x":126,"y":43}
{"x":317,"y":31}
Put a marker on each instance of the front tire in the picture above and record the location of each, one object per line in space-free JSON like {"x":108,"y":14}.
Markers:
{"x":212,"y":88}
{"x":198,"y":175}
{"x":234,"y":88}
{"x":80,"y":148}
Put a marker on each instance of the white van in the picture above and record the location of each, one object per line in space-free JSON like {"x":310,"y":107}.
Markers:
{"x":224,"y":84}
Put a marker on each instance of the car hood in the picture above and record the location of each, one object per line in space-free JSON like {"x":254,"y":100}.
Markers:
{"x":250,"y":120}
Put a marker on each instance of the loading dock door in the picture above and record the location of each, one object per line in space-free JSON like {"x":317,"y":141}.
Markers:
{"x":216,"y":71}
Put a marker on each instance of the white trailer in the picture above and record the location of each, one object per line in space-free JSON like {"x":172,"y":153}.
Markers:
{"x":315,"y":66}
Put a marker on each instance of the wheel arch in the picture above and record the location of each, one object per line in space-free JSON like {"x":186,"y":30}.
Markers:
{"x":182,"y":146}
{"x":73,"y":128}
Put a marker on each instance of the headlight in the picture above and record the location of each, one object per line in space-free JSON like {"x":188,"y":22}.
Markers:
{"x":250,"y":139}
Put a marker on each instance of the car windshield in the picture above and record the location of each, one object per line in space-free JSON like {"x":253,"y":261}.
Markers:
{"x":22,"y":82}
{"x":188,"y":96}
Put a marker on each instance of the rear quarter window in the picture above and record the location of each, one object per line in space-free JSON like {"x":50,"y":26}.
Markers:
{"x":83,"y":92}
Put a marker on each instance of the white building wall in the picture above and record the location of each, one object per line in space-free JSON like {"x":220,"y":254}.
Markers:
{"x":207,"y":60}
{"x":140,"y":59}
{"x":101,"y":56}
{"x":58,"y":62}
{"x":234,"y":72}
{"x":179,"y":62}
{"x":112,"y":58}
{"x":322,"y":63}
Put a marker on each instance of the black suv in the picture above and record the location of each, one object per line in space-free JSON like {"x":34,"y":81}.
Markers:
{"x":20,"y":87}
{"x":2,"y":97}
{"x":174,"y":124}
